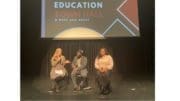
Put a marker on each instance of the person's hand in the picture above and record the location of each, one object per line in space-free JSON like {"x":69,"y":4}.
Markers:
{"x":67,"y":61}
{"x":76,"y":69}
{"x":56,"y":59}
{"x":73,"y":66}
{"x":102,"y":69}
{"x":105,"y":69}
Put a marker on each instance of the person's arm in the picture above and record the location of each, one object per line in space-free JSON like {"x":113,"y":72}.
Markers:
{"x":73,"y":62}
{"x":96,"y":63}
{"x":84,"y":63}
{"x":53,"y":62}
{"x":63,"y":60}
{"x":111,"y":63}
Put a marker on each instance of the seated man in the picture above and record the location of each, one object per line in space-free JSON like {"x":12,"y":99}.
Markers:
{"x":79,"y":70}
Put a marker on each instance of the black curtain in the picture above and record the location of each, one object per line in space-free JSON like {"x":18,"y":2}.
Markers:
{"x":129,"y":56}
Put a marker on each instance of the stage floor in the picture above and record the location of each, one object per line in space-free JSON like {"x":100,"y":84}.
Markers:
{"x":124,"y":89}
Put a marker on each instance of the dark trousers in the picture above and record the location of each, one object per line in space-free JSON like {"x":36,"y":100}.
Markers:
{"x":56,"y":82}
{"x":104,"y":82}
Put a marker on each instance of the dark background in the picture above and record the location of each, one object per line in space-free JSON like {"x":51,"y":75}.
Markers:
{"x":132,"y":56}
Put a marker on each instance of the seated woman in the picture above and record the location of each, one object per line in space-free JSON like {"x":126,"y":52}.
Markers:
{"x":58,"y":72}
{"x":104,"y":65}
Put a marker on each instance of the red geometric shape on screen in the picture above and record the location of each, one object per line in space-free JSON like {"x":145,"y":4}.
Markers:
{"x":129,"y":10}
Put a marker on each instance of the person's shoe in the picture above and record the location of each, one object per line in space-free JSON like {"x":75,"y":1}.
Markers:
{"x":57,"y":90}
{"x":102,"y":96}
{"x":106,"y":92}
{"x":101,"y":90}
{"x":51,"y":90}
{"x":76,"y":89}
{"x":87,"y":88}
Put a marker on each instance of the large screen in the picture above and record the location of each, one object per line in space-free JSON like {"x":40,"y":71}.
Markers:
{"x":89,"y":19}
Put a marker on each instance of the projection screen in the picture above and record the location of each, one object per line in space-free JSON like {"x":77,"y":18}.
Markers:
{"x":89,"y":19}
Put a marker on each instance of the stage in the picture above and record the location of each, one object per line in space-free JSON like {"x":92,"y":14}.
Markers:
{"x":128,"y":88}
